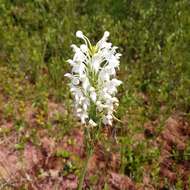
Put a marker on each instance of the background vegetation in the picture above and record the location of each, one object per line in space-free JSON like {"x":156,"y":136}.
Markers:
{"x":154,"y":39}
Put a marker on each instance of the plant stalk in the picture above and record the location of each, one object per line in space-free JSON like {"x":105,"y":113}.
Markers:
{"x":89,"y":154}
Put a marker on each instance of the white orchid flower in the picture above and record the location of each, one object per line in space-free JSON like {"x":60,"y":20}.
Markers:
{"x":93,"y":83}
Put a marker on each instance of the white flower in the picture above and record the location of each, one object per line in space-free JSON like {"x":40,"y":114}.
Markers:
{"x":92,"y":123}
{"x":107,"y":120}
{"x":93,"y":83}
{"x":93,"y":96}
{"x":79,"y":34}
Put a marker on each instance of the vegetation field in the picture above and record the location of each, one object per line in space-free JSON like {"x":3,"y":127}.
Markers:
{"x":42,"y":141}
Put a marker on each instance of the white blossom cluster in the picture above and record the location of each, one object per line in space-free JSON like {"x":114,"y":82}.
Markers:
{"x":93,"y":83}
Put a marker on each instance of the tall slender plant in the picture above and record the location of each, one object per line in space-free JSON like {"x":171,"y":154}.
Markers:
{"x":94,"y":86}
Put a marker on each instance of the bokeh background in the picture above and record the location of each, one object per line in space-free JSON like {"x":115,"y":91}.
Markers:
{"x":154,"y":39}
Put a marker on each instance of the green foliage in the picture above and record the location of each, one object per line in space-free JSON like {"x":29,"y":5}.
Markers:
{"x":134,"y":159}
{"x":153,"y":37}
{"x":62,"y":153}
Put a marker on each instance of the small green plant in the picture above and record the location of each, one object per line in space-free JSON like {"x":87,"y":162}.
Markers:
{"x":133,"y":158}
{"x":62,"y":154}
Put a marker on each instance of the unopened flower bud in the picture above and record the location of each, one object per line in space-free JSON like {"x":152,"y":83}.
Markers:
{"x":79,"y":34}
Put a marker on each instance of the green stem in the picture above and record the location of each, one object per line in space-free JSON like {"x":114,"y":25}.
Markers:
{"x":122,"y":170}
{"x":89,"y":154}
{"x":90,"y":139}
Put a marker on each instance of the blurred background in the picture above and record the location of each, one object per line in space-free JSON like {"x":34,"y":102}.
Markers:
{"x":153,"y":37}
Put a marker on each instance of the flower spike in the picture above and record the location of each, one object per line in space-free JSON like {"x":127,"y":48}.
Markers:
{"x":93,"y":80}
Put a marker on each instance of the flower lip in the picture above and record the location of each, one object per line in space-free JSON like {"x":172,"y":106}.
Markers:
{"x":79,"y":34}
{"x":68,"y":75}
{"x":92,"y":123}
{"x":84,"y":48}
{"x":71,"y":62}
